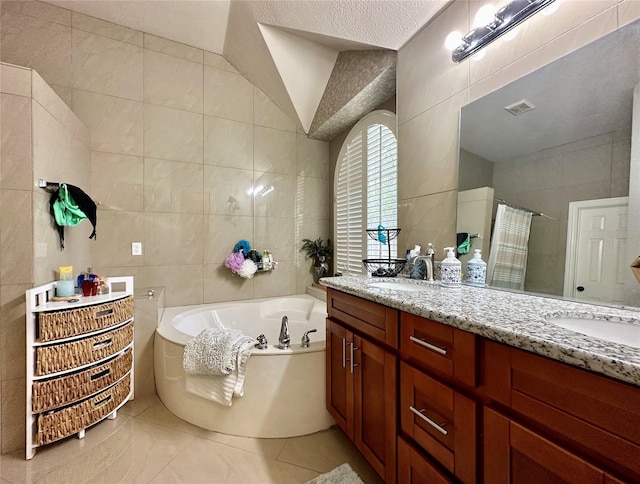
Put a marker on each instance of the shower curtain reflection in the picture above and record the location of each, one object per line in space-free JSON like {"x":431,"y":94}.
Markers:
{"x":507,"y":264}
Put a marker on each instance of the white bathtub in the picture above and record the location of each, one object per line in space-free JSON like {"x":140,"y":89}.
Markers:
{"x":284,"y":390}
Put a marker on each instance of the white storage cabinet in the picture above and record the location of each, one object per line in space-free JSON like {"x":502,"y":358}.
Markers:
{"x":79,"y":361}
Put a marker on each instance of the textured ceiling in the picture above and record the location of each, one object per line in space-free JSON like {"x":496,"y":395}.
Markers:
{"x":231,"y":27}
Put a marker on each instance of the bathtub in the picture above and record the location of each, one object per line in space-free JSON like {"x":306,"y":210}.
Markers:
{"x":284,"y":390}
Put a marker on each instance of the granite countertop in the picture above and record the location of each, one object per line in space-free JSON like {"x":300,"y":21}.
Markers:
{"x":512,"y":318}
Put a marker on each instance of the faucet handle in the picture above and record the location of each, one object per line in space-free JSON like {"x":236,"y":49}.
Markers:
{"x":262,"y":342}
{"x":305,"y":338}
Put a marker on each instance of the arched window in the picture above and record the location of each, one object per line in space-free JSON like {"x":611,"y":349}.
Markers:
{"x":366,"y":191}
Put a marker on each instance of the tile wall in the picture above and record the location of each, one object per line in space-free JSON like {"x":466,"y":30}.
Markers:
{"x":175,"y":139}
{"x":592,"y":168}
{"x":431,"y":89}
{"x":548,"y":180}
{"x":178,"y":138}
{"x":40,"y":138}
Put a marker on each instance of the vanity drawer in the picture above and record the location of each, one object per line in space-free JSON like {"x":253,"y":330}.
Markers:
{"x":414,"y":468}
{"x":596,"y":415}
{"x":439,"y":349}
{"x":440,"y":420}
{"x":372,"y":319}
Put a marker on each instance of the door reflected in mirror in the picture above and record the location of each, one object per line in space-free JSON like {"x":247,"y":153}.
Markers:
{"x":566,"y":139}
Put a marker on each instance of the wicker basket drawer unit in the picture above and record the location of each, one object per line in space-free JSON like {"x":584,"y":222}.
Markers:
{"x":79,"y":358}
{"x":55,"y":358}
{"x":58,"y":392}
{"x":69,"y":420}
{"x":57,"y":325}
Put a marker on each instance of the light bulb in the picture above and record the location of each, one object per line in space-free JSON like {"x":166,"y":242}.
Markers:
{"x":484,"y":16}
{"x":453,"y":40}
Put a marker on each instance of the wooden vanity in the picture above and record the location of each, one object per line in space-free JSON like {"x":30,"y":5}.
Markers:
{"x":424,"y":401}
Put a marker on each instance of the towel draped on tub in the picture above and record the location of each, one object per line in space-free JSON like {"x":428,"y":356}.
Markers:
{"x":215,"y":364}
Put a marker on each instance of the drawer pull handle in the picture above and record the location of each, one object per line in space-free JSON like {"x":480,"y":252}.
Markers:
{"x":437,"y":349}
{"x":106,"y":312}
{"x":353,"y":348}
{"x":100,"y":374}
{"x":428,"y":420}
{"x":102,"y":344}
{"x":102,"y":402}
{"x":344,"y":353}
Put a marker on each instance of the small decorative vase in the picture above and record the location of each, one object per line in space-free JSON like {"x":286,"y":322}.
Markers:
{"x":318,"y":272}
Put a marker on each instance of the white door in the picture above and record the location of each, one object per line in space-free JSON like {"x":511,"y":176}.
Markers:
{"x":596,"y":250}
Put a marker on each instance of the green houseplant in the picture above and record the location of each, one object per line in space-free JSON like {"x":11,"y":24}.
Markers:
{"x":320,"y":253}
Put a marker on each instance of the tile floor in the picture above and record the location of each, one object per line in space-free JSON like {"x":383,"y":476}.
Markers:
{"x":147,"y":443}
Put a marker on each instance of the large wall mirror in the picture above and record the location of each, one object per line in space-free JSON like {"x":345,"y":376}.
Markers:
{"x":568,"y":141}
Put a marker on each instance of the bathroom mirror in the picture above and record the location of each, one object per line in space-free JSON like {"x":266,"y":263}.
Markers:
{"x":568,"y":139}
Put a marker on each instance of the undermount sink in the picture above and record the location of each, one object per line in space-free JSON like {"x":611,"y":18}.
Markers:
{"x":627,"y":333}
{"x":399,"y":286}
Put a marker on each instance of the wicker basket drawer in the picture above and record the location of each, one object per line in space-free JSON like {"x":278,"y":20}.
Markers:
{"x":70,"y":420}
{"x":73,"y":322}
{"x":58,"y":392}
{"x":66,"y":356}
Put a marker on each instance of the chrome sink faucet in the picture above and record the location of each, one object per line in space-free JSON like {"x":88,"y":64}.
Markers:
{"x":428,"y":260}
{"x":285,"y":338}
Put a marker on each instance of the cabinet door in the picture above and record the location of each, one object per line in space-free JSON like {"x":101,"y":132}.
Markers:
{"x":338,"y":377}
{"x":374,"y":372}
{"x":513,"y":453}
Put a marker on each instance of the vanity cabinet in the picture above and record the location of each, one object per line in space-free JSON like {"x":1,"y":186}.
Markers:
{"x":583,"y":413}
{"x":79,"y":361}
{"x":362,"y":377}
{"x":471,"y":409}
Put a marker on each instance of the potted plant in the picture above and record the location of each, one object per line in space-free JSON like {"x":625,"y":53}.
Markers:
{"x":320,"y":253}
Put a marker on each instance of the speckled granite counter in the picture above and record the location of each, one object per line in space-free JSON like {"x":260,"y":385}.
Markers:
{"x":511,"y":318}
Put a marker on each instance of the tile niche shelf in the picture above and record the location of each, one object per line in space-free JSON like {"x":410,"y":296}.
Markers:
{"x":79,"y":361}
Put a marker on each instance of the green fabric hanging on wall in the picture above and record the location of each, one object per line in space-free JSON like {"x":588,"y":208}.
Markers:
{"x":66,"y":210}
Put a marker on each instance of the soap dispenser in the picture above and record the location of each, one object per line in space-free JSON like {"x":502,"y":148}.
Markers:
{"x":450,"y":269}
{"x":476,"y":274}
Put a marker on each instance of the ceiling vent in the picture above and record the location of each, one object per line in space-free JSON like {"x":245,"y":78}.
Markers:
{"x":520,"y":107}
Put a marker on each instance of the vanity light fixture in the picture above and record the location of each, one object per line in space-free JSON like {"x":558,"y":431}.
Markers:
{"x":504,"y":20}
{"x":260,"y":190}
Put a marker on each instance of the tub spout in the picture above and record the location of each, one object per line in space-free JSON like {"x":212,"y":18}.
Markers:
{"x":285,"y":338}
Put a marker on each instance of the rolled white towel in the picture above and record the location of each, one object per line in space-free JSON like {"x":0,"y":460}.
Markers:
{"x":214,"y":352}
{"x":215,"y":364}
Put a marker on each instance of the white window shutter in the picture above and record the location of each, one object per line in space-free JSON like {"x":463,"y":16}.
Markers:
{"x":349,"y":210}
{"x":365,"y":196}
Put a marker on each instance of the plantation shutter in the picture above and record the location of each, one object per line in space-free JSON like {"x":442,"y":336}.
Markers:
{"x":349,"y":213}
{"x":382,"y":187}
{"x":365,"y":193}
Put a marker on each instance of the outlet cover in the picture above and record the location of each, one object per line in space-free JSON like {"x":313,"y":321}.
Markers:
{"x":136,"y":248}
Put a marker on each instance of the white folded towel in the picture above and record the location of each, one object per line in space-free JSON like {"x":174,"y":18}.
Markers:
{"x":215,"y":364}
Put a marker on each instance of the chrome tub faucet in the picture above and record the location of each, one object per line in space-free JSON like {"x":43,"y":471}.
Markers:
{"x":284,"y":339}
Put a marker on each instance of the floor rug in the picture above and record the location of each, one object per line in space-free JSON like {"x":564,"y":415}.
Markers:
{"x":343,"y":474}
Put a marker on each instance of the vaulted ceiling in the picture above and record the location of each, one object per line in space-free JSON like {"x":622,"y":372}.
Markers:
{"x":290,"y":49}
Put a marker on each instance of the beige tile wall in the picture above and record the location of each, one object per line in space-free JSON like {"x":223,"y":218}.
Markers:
{"x":431,"y":90}
{"x":177,"y":137}
{"x":592,"y":168}
{"x":40,"y":138}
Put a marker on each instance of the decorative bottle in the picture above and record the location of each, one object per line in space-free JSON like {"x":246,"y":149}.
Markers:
{"x":476,"y":270}
{"x":451,"y":270}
